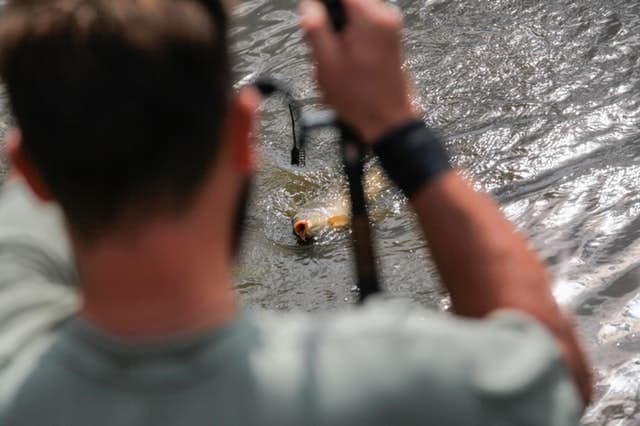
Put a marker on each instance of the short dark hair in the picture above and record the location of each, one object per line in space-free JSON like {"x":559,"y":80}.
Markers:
{"x":121,"y":103}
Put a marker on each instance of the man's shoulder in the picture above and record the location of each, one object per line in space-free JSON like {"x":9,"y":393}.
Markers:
{"x":391,"y":330}
{"x":393,"y":357}
{"x":383,"y":317}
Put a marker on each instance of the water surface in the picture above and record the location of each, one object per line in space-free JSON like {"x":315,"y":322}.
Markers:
{"x":540,"y":105}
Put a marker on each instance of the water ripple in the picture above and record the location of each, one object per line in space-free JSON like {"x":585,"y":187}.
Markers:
{"x":539,"y":102}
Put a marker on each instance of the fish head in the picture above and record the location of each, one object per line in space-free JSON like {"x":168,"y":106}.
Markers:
{"x":325,"y":212}
{"x":301,"y":229}
{"x":308,"y":226}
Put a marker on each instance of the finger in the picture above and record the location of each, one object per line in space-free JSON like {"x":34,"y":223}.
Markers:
{"x":390,"y":14}
{"x":373,"y":11}
{"x":361,"y":8}
{"x":317,"y":28}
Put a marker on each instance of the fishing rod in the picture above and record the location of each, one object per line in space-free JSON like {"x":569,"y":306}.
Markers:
{"x":353,"y":152}
{"x":353,"y":155}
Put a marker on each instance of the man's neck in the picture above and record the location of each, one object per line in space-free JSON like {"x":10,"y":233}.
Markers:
{"x":168,"y":280}
{"x":162,"y":283}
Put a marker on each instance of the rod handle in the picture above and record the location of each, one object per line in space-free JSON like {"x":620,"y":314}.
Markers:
{"x":337,"y":14}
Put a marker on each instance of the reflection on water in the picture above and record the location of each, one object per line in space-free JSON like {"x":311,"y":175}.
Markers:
{"x":540,"y":104}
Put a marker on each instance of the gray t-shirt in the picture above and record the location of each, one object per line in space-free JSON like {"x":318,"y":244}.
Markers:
{"x":386,"y":363}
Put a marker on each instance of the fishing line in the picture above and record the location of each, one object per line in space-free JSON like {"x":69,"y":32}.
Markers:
{"x":268,"y":86}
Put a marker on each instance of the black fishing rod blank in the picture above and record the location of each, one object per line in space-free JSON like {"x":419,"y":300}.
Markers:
{"x":337,"y":14}
{"x":353,"y":153}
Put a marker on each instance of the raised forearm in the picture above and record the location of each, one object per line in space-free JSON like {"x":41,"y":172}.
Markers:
{"x":486,"y":265}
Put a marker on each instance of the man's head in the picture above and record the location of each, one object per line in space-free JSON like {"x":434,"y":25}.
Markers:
{"x":123,"y":105}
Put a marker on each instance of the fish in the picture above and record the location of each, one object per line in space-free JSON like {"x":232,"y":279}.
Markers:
{"x":332,"y":208}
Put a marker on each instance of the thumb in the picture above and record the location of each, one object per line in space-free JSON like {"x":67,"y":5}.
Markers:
{"x":319,"y":33}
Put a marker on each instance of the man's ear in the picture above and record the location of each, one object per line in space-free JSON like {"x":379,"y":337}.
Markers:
{"x":241,"y":129}
{"x":21,"y":164}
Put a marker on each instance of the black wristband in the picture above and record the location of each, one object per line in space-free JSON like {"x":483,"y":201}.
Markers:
{"x":412,"y":155}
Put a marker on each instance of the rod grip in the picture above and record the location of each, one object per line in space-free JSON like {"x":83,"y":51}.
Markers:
{"x":337,"y":14}
{"x":362,"y":238}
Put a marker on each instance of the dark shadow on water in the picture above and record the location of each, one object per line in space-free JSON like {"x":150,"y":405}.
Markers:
{"x":623,"y":286}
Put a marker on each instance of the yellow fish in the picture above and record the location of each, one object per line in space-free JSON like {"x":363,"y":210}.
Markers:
{"x":333,"y":209}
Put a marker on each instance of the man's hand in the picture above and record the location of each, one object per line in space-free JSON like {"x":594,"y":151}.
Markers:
{"x":359,"y":70}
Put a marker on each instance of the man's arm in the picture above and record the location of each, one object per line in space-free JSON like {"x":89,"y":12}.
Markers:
{"x":485,"y":264}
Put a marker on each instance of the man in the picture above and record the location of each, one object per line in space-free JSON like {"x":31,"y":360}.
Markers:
{"x":127,"y":120}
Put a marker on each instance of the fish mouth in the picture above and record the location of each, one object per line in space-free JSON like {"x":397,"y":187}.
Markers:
{"x":301,"y":228}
